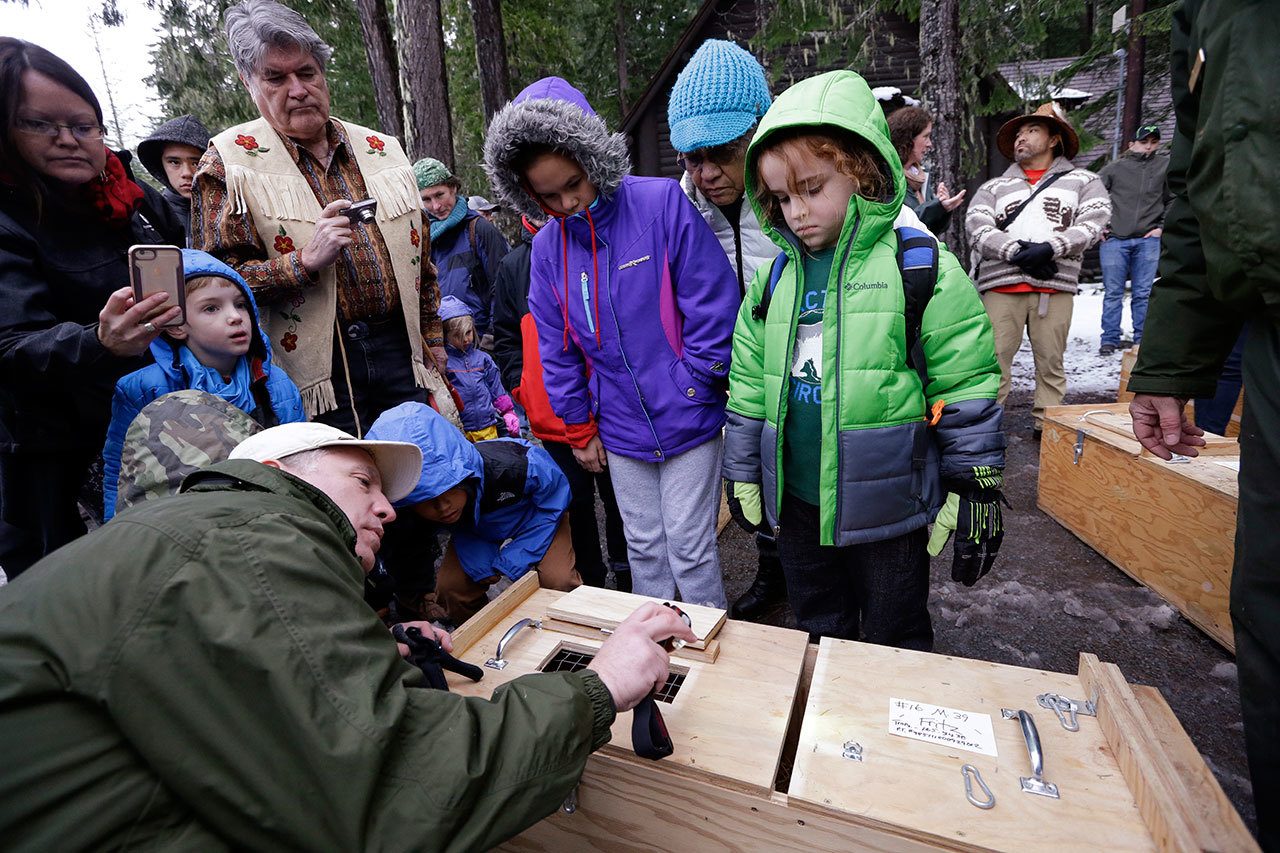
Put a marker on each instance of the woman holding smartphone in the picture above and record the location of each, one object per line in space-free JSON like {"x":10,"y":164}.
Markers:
{"x":69,"y":327}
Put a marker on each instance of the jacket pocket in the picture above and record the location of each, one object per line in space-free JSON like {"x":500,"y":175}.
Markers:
{"x":690,"y":386}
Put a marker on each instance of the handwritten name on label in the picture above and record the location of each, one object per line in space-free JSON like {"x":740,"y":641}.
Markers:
{"x":965,"y":730}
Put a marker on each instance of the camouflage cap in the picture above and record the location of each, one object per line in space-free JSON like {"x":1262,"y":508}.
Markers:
{"x":172,"y":436}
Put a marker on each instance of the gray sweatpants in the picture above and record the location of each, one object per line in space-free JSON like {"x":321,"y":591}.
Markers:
{"x":669,"y":511}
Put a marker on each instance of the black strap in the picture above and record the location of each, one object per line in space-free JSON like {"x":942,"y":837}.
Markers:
{"x":649,"y":737}
{"x":1044,"y":184}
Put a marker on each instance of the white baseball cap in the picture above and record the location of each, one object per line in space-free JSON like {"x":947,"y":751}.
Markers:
{"x":399,"y":462}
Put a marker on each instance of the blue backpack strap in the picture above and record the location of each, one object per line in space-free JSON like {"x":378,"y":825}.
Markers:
{"x":761,"y":311}
{"x":918,"y":264}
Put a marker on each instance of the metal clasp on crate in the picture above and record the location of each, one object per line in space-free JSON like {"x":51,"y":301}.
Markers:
{"x":570,"y":804}
{"x":1075,"y":460}
{"x":852,"y":751}
{"x":1067,"y":709}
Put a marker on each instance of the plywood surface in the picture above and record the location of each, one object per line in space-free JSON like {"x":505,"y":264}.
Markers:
{"x":729,"y":720}
{"x":1169,"y":526}
{"x":1121,"y":423}
{"x":918,"y":786}
{"x":606,"y":608}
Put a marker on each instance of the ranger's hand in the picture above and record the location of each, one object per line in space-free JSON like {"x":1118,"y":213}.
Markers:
{"x":631,"y":663}
{"x":1160,"y":424}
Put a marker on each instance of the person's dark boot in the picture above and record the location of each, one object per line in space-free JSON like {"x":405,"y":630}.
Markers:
{"x":767,"y":590}
{"x":621,"y":576}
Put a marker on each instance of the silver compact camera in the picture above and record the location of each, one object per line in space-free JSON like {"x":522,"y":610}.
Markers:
{"x":362,"y":211}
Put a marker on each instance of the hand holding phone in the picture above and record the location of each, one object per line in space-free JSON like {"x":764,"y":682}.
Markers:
{"x":158,"y":269}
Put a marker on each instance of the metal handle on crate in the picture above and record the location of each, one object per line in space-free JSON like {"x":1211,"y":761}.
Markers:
{"x":498,"y":661}
{"x":1035,"y":783}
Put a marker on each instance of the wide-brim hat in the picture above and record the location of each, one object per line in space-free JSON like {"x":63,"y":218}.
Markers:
{"x":1050,"y":114}
{"x":399,"y":463}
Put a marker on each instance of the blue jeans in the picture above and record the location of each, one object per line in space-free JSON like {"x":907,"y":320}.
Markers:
{"x":1133,"y":260}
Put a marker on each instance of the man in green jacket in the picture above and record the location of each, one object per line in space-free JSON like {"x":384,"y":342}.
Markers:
{"x":1220,"y":265}
{"x":203,"y":674}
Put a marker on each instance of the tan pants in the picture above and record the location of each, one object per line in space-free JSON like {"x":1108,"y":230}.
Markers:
{"x":1010,"y":314}
{"x":463,"y":597}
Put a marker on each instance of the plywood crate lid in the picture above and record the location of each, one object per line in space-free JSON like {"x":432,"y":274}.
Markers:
{"x":595,"y":607}
{"x":918,"y":785}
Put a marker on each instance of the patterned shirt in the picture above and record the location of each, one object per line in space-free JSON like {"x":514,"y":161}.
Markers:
{"x":365,"y":280}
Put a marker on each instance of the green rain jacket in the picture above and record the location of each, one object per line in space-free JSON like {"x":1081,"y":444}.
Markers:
{"x":881,"y":464}
{"x":203,"y":674}
{"x":1217,"y":262}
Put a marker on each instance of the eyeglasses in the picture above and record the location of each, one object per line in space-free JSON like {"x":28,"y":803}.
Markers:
{"x":51,"y":129}
{"x":720,"y":155}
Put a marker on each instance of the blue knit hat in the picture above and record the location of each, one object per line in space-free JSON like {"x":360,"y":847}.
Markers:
{"x":718,"y":96}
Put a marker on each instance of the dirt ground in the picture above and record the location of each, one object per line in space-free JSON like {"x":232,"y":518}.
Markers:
{"x":1050,"y":597}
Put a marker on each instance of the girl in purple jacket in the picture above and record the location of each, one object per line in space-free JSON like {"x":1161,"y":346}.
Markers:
{"x":634,"y":303}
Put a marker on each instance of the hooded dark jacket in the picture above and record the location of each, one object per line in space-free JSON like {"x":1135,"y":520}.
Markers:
{"x":216,"y":682}
{"x":641,"y":259}
{"x":184,"y":130}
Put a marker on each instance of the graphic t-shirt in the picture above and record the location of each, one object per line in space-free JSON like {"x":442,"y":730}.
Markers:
{"x":802,"y":432}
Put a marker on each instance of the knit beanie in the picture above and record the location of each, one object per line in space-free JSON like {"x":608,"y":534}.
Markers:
{"x":718,"y":96}
{"x":430,"y":172}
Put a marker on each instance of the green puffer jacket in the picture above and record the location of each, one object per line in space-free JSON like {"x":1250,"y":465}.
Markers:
{"x":881,"y":464}
{"x":203,"y":674}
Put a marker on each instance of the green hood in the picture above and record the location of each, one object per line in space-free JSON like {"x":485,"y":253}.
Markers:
{"x":839,"y":99}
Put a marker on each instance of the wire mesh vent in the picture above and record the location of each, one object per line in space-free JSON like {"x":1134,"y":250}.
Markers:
{"x":571,"y":660}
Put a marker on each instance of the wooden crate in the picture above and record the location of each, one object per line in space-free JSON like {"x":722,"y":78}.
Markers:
{"x":1170,"y":526}
{"x":772,"y":702}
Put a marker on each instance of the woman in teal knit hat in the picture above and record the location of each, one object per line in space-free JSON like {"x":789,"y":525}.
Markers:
{"x":465,"y":247}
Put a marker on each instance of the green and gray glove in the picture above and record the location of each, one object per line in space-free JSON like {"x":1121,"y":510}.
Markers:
{"x":746,"y":505}
{"x":978,"y":524}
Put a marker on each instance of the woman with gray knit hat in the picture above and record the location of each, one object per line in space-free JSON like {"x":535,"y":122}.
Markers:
{"x":171,"y":154}
{"x":712,"y":113}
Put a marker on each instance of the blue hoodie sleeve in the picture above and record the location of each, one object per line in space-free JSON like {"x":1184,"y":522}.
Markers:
{"x":706,"y":289}
{"x":563,"y":367}
{"x":124,"y":408}
{"x":493,"y":380}
{"x":547,"y":492}
{"x":286,"y":400}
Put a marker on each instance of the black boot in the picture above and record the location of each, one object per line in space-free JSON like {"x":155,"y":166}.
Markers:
{"x":621,"y":576}
{"x":768,"y":589}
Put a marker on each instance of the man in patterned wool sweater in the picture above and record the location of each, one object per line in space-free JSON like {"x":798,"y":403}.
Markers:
{"x":1029,"y":229}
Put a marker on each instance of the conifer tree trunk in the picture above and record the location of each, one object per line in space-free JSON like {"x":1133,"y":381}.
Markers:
{"x":940,"y":85}
{"x":420,"y":39}
{"x":491,"y":56}
{"x":375,"y":26}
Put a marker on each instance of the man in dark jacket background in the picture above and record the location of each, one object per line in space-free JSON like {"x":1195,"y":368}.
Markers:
{"x":1221,"y":265}
{"x":1139,"y":199}
{"x":203,"y":674}
{"x":171,"y":154}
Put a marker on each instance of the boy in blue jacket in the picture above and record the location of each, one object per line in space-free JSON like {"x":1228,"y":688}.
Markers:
{"x":219,"y":349}
{"x":503,"y":501}
{"x":474,"y":376}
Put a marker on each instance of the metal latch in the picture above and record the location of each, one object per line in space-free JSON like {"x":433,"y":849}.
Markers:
{"x":498,"y":661}
{"x":1067,"y":709}
{"x":1075,"y":460}
{"x":852,"y":751}
{"x":570,"y":804}
{"x":1033,"y":784}
{"x":990,"y":801}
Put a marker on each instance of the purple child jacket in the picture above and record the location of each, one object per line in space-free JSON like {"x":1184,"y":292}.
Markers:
{"x":650,"y":319}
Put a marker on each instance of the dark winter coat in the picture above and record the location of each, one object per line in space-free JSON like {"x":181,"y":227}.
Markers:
{"x":139,"y":388}
{"x":640,"y":259}
{"x":466,"y":274}
{"x":184,"y":130}
{"x":518,"y":493}
{"x":1139,"y":195}
{"x":203,"y":674}
{"x":56,"y":378}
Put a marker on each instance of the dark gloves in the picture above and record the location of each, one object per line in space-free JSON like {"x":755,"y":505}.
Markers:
{"x":1035,"y":259}
{"x":746,"y":506}
{"x":979,"y":523}
{"x":427,"y":655}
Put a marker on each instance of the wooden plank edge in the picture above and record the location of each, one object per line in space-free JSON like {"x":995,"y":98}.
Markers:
{"x":1218,"y":824}
{"x":586,"y":632}
{"x":494,"y":612}
{"x":791,"y":742}
{"x":1163,"y":799}
{"x":1223,"y":636}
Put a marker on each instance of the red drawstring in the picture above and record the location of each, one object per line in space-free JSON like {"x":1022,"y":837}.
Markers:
{"x":595,"y":269}
{"x":564,"y":304}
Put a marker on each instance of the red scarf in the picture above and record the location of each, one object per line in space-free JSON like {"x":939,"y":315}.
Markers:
{"x":113,"y":194}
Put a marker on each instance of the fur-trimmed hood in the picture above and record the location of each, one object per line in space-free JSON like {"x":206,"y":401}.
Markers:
{"x":552,"y":112}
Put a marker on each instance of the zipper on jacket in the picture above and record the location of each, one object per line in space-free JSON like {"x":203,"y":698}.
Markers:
{"x":844,"y":263}
{"x":622,"y":351}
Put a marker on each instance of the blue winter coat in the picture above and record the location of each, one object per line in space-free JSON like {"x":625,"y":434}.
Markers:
{"x":464,"y":275}
{"x":476,"y":379}
{"x":528,"y":519}
{"x":137,"y":389}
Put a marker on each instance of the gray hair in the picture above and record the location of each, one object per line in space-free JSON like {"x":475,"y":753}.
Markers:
{"x":255,"y":25}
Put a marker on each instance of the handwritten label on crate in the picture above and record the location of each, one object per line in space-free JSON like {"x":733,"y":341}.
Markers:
{"x":965,"y":730}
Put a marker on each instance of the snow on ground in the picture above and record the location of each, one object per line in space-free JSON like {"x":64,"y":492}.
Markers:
{"x":1087,"y":372}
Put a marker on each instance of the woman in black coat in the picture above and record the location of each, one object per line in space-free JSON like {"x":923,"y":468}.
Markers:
{"x":69,"y":328}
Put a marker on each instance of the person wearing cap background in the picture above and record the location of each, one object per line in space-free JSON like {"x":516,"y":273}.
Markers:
{"x":203,"y":674}
{"x":482,"y":206}
{"x":712,"y":112}
{"x":172,"y":154}
{"x":1139,"y":199}
{"x":465,"y":246}
{"x":1030,"y":255}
